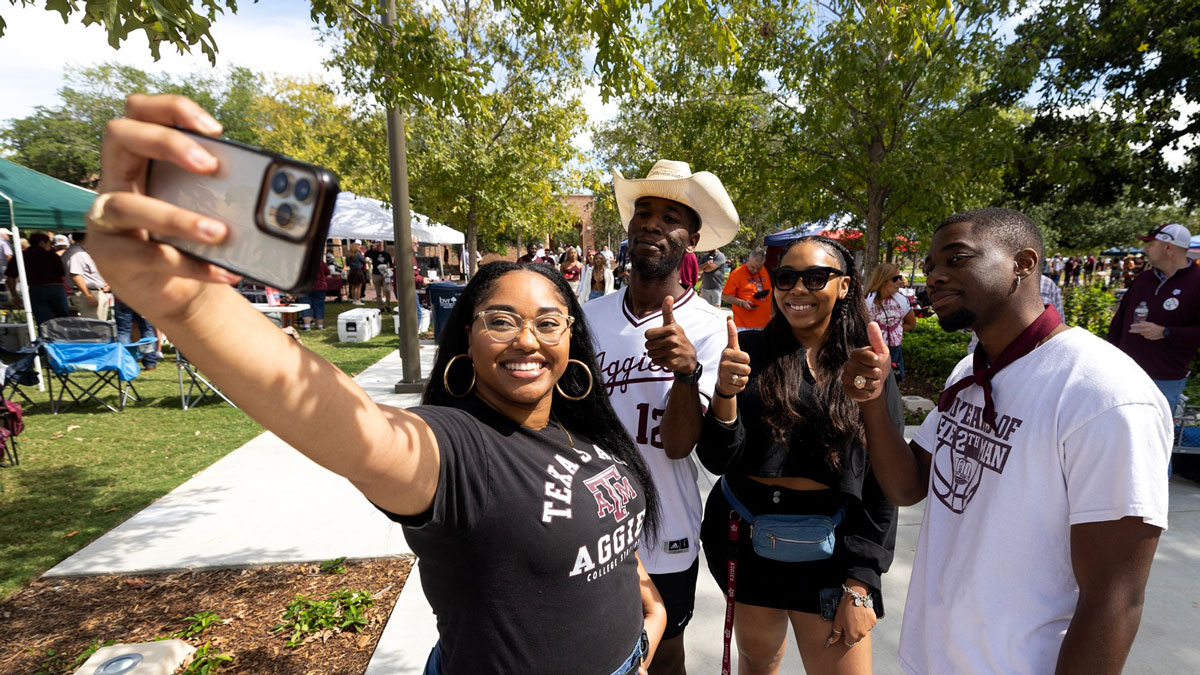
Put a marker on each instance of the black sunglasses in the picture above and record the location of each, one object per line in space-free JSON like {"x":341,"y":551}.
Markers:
{"x":815,"y":278}
{"x":898,"y":278}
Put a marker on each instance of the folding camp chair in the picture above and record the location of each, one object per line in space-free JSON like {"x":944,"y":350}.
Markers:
{"x":21,"y":371}
{"x":73,"y":345}
{"x":194,"y":387}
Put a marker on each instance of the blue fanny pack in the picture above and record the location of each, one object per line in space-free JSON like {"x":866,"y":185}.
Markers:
{"x":788,"y":538}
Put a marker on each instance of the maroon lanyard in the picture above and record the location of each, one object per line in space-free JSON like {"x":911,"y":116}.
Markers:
{"x":734,"y":523}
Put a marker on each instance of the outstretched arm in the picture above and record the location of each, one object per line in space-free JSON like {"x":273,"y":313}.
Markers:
{"x":389,"y":454}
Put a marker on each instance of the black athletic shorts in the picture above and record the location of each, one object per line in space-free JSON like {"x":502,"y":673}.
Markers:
{"x":678,"y":591}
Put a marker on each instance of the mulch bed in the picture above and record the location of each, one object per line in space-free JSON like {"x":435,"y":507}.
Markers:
{"x":45,"y":626}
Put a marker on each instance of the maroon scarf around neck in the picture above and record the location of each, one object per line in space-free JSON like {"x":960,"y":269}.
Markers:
{"x":983,"y":373}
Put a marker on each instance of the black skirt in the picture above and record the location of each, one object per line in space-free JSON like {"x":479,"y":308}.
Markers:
{"x":763,"y":582}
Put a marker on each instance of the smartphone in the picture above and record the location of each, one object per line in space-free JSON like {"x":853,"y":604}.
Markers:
{"x":277,"y":209}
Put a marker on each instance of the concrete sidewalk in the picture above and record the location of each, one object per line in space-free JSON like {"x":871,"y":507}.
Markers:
{"x":256,"y":506}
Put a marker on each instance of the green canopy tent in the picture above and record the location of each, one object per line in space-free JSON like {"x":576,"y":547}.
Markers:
{"x":34,"y":201}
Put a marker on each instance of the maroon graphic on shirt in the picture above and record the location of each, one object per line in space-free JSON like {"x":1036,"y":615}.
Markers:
{"x":966,"y":445}
{"x":618,"y":490}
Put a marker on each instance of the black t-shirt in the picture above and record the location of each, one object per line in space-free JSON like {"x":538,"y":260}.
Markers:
{"x":527,"y":554}
{"x":42,"y":267}
{"x":379,"y":260}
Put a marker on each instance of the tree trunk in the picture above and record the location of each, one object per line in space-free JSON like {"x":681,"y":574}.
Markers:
{"x":876,"y":198}
{"x":472,"y":242}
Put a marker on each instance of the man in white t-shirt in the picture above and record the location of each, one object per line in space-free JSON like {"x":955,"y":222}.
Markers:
{"x":1045,"y":463}
{"x":658,"y":347}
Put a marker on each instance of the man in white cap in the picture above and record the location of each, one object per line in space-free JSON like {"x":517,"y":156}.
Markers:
{"x":1158,"y":321}
{"x":658,"y":348}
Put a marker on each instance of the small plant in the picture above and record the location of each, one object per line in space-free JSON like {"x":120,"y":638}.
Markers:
{"x":56,"y":662}
{"x":343,"y":611}
{"x":87,"y":653}
{"x":207,"y":660}
{"x":198,"y":623}
{"x":334,"y":566}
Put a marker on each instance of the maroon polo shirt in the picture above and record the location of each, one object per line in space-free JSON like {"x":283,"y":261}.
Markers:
{"x":1174,"y":303}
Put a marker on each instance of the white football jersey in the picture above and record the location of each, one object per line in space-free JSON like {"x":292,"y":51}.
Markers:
{"x":638,"y":391}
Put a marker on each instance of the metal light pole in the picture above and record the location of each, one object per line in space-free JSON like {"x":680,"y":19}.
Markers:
{"x":406,"y":288}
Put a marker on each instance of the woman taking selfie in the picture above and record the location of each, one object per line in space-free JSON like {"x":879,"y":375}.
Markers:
{"x":519,"y":520}
{"x":892,"y":310}
{"x":813,"y":531}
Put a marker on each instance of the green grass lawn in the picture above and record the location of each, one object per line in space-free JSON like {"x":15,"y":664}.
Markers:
{"x":87,"y":470}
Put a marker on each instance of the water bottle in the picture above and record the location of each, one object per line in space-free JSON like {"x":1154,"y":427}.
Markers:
{"x":1142,"y":311}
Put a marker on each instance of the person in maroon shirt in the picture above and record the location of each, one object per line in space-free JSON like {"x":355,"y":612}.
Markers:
{"x":689,"y":271}
{"x":1165,"y":340}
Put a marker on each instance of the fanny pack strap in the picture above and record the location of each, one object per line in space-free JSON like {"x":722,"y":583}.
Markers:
{"x":735,"y":503}
{"x":738,"y":514}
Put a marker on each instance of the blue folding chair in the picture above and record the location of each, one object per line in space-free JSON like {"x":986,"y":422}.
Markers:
{"x":75,"y":345}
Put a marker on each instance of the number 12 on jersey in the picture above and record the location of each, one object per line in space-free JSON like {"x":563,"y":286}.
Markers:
{"x":647,"y":415}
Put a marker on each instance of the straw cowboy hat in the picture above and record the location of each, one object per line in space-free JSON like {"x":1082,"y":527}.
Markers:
{"x":701,"y":191}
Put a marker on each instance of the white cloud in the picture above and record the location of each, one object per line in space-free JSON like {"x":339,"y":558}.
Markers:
{"x":37,"y":46}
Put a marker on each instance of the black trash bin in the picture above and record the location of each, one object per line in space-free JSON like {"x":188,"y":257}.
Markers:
{"x":442,"y":296}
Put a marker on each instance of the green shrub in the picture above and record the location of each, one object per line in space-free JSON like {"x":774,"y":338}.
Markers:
{"x":343,"y":611}
{"x":1089,"y":307}
{"x":930,"y":352}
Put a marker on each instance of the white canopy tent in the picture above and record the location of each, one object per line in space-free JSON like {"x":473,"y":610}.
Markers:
{"x":358,"y":217}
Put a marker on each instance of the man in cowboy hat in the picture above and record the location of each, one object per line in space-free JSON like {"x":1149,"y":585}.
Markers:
{"x":1164,"y":340}
{"x":658,"y":349}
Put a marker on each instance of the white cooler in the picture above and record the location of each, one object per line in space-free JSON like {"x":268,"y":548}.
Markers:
{"x":358,"y":325}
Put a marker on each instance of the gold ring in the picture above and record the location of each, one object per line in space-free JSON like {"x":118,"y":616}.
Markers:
{"x":733,"y":379}
{"x":95,"y":215}
{"x":860,"y":382}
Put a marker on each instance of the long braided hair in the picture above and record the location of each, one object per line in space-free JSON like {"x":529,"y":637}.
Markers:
{"x":779,"y":380}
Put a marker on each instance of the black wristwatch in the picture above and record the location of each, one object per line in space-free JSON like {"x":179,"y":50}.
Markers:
{"x":693,"y":378}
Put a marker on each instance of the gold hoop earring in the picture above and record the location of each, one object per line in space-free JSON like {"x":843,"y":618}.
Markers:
{"x":446,"y":376}
{"x":589,"y":387}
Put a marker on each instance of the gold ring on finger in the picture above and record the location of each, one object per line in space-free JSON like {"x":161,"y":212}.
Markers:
{"x":95,"y":214}
{"x":860,"y":382}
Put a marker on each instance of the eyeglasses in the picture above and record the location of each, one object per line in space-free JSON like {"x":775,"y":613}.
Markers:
{"x":505,"y":326}
{"x":898,"y":278}
{"x":815,"y":278}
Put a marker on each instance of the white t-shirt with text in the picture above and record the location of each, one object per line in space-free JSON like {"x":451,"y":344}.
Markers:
{"x":638,"y":391}
{"x":1083,"y":436}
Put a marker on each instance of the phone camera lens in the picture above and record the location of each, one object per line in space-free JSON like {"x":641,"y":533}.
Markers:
{"x":303,"y":189}
{"x":284,"y":215}
{"x":280,"y":182}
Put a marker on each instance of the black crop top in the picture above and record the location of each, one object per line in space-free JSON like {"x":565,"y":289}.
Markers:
{"x":748,"y":447}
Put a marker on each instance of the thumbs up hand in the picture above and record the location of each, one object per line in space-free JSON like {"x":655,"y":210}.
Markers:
{"x":734,"y":370}
{"x":667,"y":346}
{"x":867,"y":367}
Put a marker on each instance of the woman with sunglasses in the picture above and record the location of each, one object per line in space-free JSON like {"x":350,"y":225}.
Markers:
{"x":515,"y":482}
{"x":892,"y":310}
{"x":788,"y":443}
